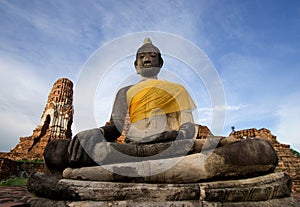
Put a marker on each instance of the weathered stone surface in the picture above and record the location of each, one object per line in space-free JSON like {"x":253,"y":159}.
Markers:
{"x":55,"y":123}
{"x":118,"y":153}
{"x":56,"y":156}
{"x":257,"y":157}
{"x":59,"y":154}
{"x":274,"y":185}
{"x":108,"y":152}
{"x":268,"y":188}
{"x":10,"y":168}
{"x":37,"y":202}
{"x":203,"y":132}
{"x":282,"y":202}
{"x":45,"y":185}
{"x":288,"y":161}
{"x":66,"y":189}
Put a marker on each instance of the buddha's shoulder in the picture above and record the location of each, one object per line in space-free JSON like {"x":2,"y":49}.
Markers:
{"x":124,"y":89}
{"x":168,"y":83}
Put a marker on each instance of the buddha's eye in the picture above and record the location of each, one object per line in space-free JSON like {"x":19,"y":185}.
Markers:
{"x":153,"y":54}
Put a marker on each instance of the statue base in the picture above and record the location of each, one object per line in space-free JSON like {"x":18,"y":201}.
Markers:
{"x":273,"y":189}
{"x":287,"y":202}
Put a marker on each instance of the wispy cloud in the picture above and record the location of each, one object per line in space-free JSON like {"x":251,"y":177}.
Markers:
{"x":23,"y":95}
{"x":206,"y":113}
{"x":288,"y":113}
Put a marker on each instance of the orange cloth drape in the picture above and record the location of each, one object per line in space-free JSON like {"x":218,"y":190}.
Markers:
{"x":157,"y":97}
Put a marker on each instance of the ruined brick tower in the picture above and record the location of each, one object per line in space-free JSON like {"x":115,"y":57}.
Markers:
{"x":288,"y":159}
{"x":55,"y":123}
{"x":58,"y":113}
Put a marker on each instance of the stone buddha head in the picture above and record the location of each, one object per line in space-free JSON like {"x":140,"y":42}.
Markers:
{"x":148,"y":60}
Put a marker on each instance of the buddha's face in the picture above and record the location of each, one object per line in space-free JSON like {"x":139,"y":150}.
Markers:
{"x":148,"y":63}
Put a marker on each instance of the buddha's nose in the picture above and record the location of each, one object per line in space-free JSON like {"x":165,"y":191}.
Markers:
{"x":147,"y":60}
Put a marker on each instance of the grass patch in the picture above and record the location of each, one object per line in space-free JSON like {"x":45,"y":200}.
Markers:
{"x":14,"y":182}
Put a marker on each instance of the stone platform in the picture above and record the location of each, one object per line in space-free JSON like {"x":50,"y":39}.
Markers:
{"x":269,"y":190}
{"x":284,"y":202}
{"x":14,"y":196}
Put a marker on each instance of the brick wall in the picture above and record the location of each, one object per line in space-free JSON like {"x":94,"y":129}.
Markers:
{"x":288,"y":161}
{"x":10,"y":168}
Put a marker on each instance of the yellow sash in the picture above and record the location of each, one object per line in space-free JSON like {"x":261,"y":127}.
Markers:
{"x":157,"y":97}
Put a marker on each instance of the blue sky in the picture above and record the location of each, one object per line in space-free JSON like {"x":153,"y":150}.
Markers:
{"x":254,"y":46}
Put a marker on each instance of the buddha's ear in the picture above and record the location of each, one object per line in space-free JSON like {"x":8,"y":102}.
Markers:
{"x":136,"y":67}
{"x":161,"y":61}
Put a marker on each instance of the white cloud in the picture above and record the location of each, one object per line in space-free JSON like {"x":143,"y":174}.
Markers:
{"x":125,"y":17}
{"x":287,"y":129}
{"x":227,"y":108}
{"x":41,"y":16}
{"x":23,"y":96}
{"x":230,"y":107}
{"x":14,"y":125}
{"x":206,"y":113}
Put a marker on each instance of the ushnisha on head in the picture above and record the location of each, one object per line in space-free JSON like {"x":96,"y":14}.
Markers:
{"x":148,"y":60}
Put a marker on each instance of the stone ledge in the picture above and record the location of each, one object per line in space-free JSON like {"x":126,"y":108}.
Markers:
{"x":274,"y":185}
{"x":262,"y":188}
{"x":286,"y":202}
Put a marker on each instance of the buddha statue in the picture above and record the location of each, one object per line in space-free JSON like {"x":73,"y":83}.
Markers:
{"x":159,"y":111}
{"x":165,"y":158}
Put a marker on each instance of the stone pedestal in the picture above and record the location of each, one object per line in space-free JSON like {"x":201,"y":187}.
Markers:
{"x":288,"y":159}
{"x":283,"y":202}
{"x":269,"y":190}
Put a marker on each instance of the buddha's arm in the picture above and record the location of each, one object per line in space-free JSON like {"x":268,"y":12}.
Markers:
{"x":186,"y":116}
{"x":114,"y":129}
{"x":187,"y":126}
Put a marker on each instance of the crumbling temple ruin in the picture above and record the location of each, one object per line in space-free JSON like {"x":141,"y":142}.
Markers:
{"x":55,"y":123}
{"x":288,"y":161}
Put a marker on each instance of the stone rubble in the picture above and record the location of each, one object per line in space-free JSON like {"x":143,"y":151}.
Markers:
{"x":288,"y":161}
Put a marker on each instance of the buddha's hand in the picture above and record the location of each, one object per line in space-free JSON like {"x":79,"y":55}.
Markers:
{"x":81,"y":147}
{"x":186,"y":131}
